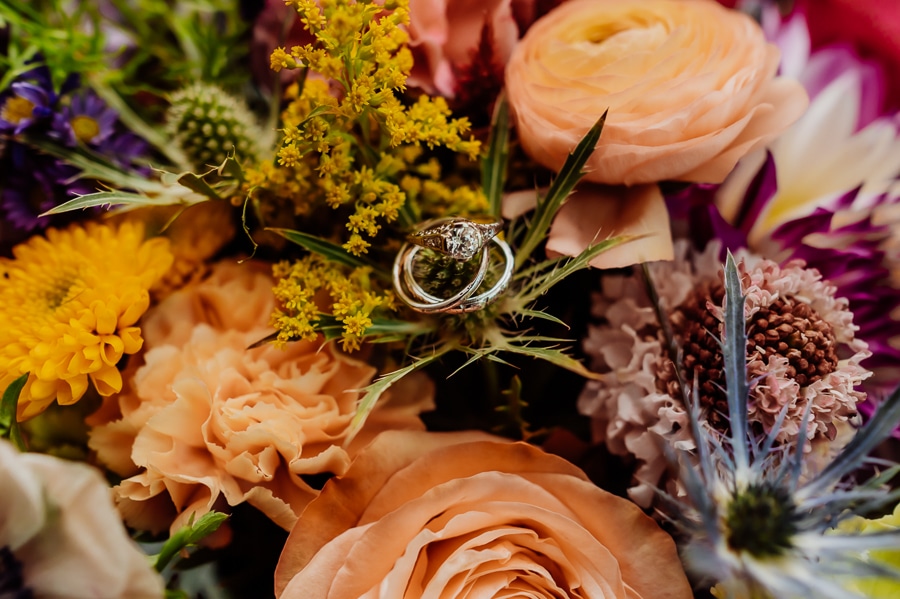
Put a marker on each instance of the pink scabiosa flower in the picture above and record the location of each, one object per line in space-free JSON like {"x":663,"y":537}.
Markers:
{"x":828,"y":192}
{"x":802,"y":352}
{"x":752,"y":519}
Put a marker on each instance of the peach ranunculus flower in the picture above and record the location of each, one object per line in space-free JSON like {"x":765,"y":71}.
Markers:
{"x":690,"y":87}
{"x":206,"y":421}
{"x":444,"y":36}
{"x":467,"y":515}
{"x":61,"y":536}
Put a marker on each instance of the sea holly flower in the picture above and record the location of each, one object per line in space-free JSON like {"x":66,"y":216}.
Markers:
{"x":61,"y":534}
{"x":69,"y":307}
{"x":802,"y":351}
{"x":749,"y":520}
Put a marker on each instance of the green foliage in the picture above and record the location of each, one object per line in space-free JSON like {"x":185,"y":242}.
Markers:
{"x":9,"y":426}
{"x":188,"y":537}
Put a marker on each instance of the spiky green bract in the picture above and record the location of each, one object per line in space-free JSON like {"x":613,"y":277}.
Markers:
{"x":208,"y":125}
{"x":750,"y":525}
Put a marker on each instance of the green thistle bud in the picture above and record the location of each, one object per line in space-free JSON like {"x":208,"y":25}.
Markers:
{"x":761,"y":520}
{"x":208,"y":124}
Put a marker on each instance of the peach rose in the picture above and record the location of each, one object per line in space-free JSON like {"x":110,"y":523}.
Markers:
{"x":594,"y":213}
{"x":444,"y":35}
{"x":469,"y":515}
{"x":690,"y":87}
{"x":205,"y":421}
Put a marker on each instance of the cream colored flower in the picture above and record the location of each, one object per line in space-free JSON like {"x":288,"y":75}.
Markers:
{"x":60,"y":535}
{"x":801,"y":353}
{"x":206,"y":421}
{"x":690,"y":87}
{"x":466,"y":516}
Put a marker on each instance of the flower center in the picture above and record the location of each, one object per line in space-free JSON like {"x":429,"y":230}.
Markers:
{"x":85,"y":128}
{"x":793,"y":329}
{"x":16,"y":109}
{"x":761,"y":521}
{"x":788,"y":327}
{"x":12,"y":583}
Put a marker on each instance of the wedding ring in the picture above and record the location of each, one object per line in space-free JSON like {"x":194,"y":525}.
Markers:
{"x":410,"y":291}
{"x":456,"y":237}
{"x":472,"y":302}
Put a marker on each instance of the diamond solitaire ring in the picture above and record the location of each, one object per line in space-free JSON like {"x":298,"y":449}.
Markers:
{"x":456,"y":237}
{"x":461,"y":240}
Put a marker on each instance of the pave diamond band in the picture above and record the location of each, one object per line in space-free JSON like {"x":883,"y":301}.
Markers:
{"x":456,"y":237}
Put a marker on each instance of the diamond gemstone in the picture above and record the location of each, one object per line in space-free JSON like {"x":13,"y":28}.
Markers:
{"x":462,"y":241}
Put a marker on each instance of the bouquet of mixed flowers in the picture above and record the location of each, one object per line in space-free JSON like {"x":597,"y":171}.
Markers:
{"x":443,"y":298}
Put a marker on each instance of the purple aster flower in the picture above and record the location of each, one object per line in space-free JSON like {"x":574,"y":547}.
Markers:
{"x":87,"y":120}
{"x":35,"y":183}
{"x":23,"y":105}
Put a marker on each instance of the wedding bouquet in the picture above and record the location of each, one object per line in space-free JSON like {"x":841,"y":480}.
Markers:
{"x":444,"y":298}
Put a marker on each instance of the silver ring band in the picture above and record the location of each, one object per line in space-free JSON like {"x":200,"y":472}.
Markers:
{"x":471,"y":303}
{"x":412,"y":294}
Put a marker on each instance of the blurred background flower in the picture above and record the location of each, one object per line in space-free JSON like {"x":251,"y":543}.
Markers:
{"x":62,"y":536}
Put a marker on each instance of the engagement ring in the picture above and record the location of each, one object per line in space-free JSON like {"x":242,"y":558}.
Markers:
{"x":460,"y":239}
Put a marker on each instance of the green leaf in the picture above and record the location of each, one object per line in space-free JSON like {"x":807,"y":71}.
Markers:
{"x":102,"y":198}
{"x":541,"y":281}
{"x":374,"y":391}
{"x":555,"y":356}
{"x":188,"y":536}
{"x":329,"y":250}
{"x":493,"y":167}
{"x":560,"y":189}
{"x":9,"y":426}
{"x":197,"y":184}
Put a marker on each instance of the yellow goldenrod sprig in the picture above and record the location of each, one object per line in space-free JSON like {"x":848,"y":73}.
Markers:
{"x":312,"y":289}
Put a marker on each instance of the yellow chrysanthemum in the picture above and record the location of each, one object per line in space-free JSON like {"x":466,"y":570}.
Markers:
{"x":69,"y":303}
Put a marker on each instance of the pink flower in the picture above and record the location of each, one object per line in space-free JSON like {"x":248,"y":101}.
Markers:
{"x":802,"y":353}
{"x":445,"y":35}
{"x":871,"y":26}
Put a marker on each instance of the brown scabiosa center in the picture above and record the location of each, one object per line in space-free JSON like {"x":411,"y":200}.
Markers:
{"x":793,"y":329}
{"x":788,"y":327}
{"x":697,"y":329}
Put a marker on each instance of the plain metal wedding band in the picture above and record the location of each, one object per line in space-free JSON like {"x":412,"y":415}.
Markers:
{"x":471,"y":303}
{"x":421,"y":304}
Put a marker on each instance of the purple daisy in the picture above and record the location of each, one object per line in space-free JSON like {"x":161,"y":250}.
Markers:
{"x":86,"y":120}
{"x":23,"y":105}
{"x":35,"y":183}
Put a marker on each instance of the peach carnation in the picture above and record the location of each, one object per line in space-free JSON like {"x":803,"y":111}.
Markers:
{"x":690,"y":87}
{"x":801,"y":351}
{"x":466,"y":515}
{"x":205,"y":421}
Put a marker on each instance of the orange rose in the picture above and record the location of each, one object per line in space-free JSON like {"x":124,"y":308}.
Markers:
{"x":469,"y":515}
{"x":690,"y":88}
